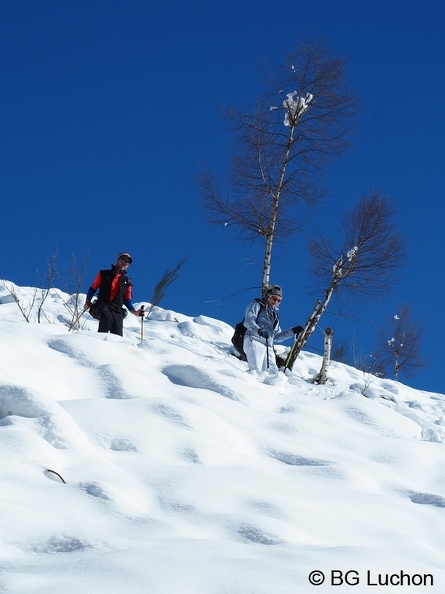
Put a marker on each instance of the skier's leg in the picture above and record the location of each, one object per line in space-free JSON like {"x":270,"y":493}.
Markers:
{"x":256,"y":354}
{"x":273,"y":369}
{"x":117,"y":327}
{"x":106,"y":319}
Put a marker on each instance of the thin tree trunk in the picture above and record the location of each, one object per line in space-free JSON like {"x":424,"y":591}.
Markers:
{"x":396,"y":367}
{"x":273,"y":221}
{"x":311,"y":324}
{"x":322,"y":376}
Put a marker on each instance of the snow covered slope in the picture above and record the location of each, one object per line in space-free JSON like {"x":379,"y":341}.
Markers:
{"x":185,"y":475}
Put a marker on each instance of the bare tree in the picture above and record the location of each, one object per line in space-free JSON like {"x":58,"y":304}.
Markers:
{"x":39,"y":295}
{"x":44,"y":292}
{"x":369,"y":366}
{"x":364,"y":263}
{"x":24,"y":307}
{"x":399,"y":347}
{"x":72,"y":281}
{"x":299,"y":123}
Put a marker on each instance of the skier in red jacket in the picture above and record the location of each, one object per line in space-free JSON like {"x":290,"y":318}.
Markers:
{"x":114,"y":288}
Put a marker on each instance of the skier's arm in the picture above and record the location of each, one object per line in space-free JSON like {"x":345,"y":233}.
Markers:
{"x":282,"y":335}
{"x":129,"y":304}
{"x":90,"y":294}
{"x":250,"y":317}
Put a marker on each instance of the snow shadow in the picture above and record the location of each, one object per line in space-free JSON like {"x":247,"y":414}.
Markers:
{"x":63,"y":346}
{"x":295,"y":459}
{"x":170,"y":414}
{"x":192,"y":377}
{"x":257,"y":535}
{"x":426,"y":499}
{"x":57,"y":427}
{"x":111,"y":383}
{"x":95,"y":490}
{"x":62,"y":544}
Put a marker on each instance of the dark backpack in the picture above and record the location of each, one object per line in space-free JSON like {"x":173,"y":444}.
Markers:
{"x":240,"y":331}
{"x":94,"y":310}
{"x":238,"y":340}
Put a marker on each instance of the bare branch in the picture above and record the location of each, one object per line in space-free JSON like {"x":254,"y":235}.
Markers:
{"x":169,"y":277}
{"x":399,"y":346}
{"x":370,"y":252}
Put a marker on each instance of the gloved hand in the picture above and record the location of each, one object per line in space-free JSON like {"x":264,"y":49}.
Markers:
{"x":297,"y":329}
{"x":263,"y":333}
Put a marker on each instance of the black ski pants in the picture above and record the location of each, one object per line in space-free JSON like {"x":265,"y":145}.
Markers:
{"x":111,"y":320}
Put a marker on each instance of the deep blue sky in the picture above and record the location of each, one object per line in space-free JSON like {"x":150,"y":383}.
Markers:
{"x":108,"y":110}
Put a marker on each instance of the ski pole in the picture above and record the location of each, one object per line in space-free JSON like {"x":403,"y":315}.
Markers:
{"x":142,"y":321}
{"x":267,"y":351}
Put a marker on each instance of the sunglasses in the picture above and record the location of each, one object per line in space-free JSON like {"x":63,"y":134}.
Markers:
{"x":124,"y":260}
{"x":277,"y":299}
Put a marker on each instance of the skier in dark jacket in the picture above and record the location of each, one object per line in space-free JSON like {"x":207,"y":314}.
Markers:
{"x":263,"y":329}
{"x":114,"y":288}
